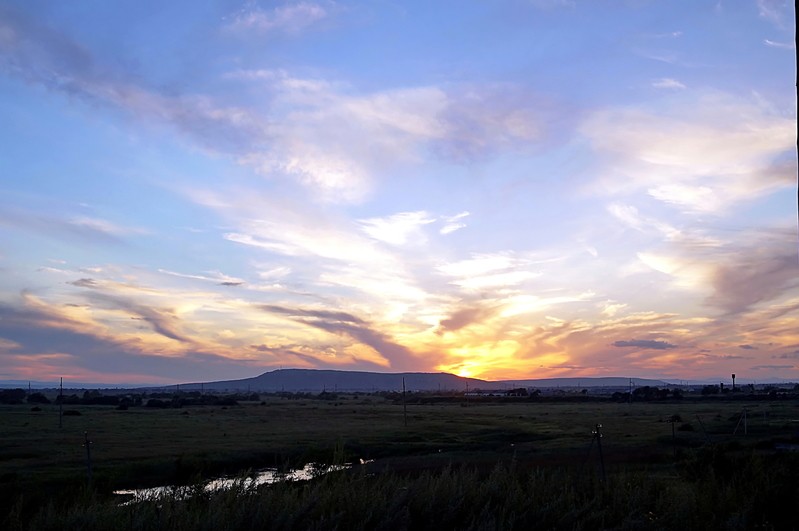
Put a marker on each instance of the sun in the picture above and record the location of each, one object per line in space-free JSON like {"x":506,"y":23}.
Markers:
{"x":464,"y":372}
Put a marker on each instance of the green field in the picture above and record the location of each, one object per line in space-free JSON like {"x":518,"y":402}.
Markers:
{"x":145,"y":446}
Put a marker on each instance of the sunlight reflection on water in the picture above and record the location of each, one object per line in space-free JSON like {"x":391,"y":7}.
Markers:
{"x":261,"y":477}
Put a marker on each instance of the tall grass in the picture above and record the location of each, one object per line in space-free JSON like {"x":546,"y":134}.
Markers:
{"x":711,"y":489}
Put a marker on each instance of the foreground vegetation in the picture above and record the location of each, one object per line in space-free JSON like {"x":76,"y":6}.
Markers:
{"x":693,"y":463}
{"x":709,"y":491}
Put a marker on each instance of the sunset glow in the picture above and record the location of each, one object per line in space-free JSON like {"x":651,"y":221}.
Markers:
{"x":501,"y":190}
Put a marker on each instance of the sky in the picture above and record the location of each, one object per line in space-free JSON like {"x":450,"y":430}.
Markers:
{"x":207,"y":190}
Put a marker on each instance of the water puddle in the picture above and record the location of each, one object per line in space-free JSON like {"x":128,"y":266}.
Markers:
{"x":261,"y":477}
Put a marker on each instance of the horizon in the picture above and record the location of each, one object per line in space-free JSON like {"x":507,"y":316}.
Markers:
{"x":7,"y":384}
{"x":526,"y":189}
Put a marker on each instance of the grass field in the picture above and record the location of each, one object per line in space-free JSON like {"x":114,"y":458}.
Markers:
{"x":145,"y":446}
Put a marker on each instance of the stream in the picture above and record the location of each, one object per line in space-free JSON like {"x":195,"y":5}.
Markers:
{"x":261,"y":477}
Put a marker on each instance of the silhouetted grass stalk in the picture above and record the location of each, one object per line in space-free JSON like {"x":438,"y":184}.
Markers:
{"x":711,"y":490}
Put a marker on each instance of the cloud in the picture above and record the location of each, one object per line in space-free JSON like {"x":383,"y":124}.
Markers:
{"x":488,"y":271}
{"x":84,"y":283}
{"x":631,"y":217}
{"x":287,"y":18}
{"x":465,"y":317}
{"x":336,"y":141}
{"x":45,"y":56}
{"x":325,"y":136}
{"x":453,"y":223}
{"x":644,"y":343}
{"x":90,"y":230}
{"x":667,"y":83}
{"x":42,"y":342}
{"x":756,"y":274}
{"x":163,"y":322}
{"x":771,"y":367}
{"x":773,"y":10}
{"x":398,"y":229}
{"x":325,"y":315}
{"x":700,"y":152}
{"x":783,"y":45}
{"x":747,"y":347}
{"x":211,"y":276}
{"x":398,"y":356}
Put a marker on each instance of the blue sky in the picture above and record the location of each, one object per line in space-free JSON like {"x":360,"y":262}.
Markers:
{"x":521,"y":188}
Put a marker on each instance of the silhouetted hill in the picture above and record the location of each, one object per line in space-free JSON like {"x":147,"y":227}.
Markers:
{"x":606,"y":381}
{"x":317,"y":380}
{"x":293,"y":380}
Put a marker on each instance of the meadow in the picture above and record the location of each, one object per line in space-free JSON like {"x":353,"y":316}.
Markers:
{"x":494,"y":463}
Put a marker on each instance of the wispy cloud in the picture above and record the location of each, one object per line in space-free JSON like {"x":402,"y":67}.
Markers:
{"x":164,"y":322}
{"x":774,"y":11}
{"x":644,"y":343}
{"x":211,"y":276}
{"x":489,"y":271}
{"x":43,"y":342}
{"x":702,"y":154}
{"x":398,"y":356}
{"x":783,"y":45}
{"x":465,"y":317}
{"x":757,"y":274}
{"x":398,"y":229}
{"x":667,"y":83}
{"x":83,"y":228}
{"x":324,"y":135}
{"x":453,"y":223}
{"x":291,"y":17}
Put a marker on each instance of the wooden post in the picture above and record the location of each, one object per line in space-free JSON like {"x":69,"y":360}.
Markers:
{"x":598,"y":435}
{"x":88,"y":444}
{"x":673,"y":439}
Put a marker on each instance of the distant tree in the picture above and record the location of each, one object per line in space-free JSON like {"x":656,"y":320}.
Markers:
{"x":38,"y":398}
{"x":620,"y":397}
{"x":710,"y":390}
{"x":157,"y":403}
{"x":12,"y":396}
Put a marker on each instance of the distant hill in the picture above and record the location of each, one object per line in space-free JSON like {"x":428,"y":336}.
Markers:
{"x":607,"y":381}
{"x":316,"y":380}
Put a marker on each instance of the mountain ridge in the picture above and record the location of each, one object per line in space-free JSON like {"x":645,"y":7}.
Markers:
{"x":317,"y":380}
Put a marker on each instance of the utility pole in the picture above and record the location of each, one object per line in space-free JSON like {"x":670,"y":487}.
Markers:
{"x":404,"y":404}
{"x":61,"y":405}
{"x":630,"y":400}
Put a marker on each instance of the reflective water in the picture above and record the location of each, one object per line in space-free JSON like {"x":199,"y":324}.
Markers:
{"x":261,"y":477}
